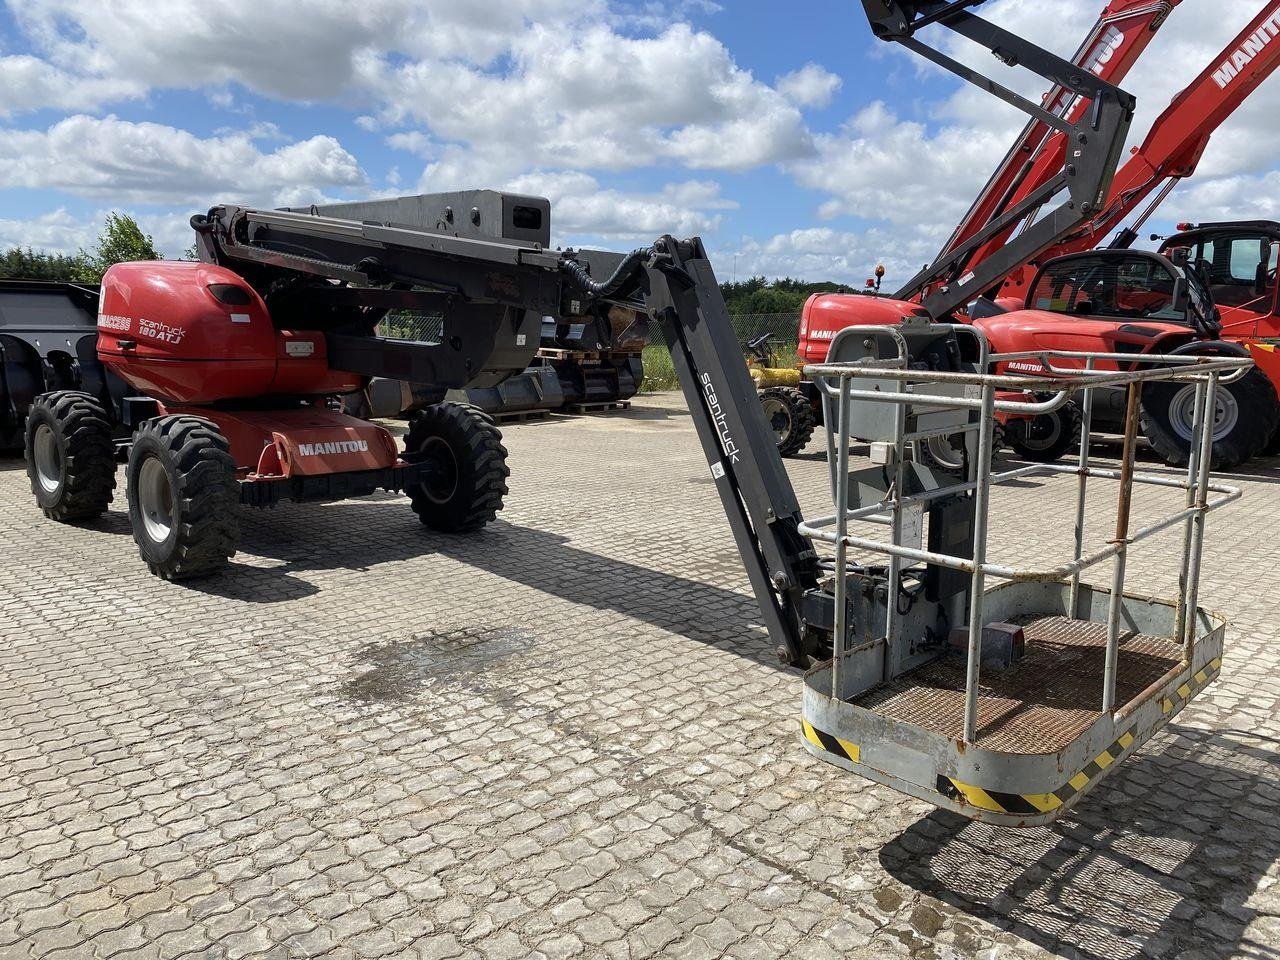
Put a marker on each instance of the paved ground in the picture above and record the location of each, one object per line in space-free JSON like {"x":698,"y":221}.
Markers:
{"x":567,"y":736}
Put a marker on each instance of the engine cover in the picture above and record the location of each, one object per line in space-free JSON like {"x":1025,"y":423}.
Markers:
{"x":190,"y":332}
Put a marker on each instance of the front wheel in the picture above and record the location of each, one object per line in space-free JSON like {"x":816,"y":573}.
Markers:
{"x":70,"y":455}
{"x":790,"y":414}
{"x":1045,"y":438}
{"x":184,"y":502}
{"x":467,"y":477}
{"x":1245,"y":418}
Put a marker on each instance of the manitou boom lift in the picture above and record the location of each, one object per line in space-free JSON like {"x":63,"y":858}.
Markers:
{"x":1235,"y":261}
{"x":1006,"y":705}
{"x":1109,"y":50}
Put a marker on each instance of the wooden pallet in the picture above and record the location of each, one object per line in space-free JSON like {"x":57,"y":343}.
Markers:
{"x":598,"y":406}
{"x":516,"y":416}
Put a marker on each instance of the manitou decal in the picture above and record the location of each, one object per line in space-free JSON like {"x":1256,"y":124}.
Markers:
{"x":333,"y":446}
{"x":718,"y":416}
{"x":1101,"y":54}
{"x":113,"y":321}
{"x":1250,"y":48}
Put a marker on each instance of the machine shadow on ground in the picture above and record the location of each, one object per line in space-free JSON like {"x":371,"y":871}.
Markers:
{"x":389,"y":532}
{"x":1186,"y":828}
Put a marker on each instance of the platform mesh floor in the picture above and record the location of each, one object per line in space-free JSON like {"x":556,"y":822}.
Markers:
{"x":1042,"y":703}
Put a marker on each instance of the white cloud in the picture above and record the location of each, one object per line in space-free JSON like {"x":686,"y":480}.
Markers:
{"x":883,"y":168}
{"x":810,"y":86}
{"x":29,"y":83}
{"x":62,"y":232}
{"x":580,"y":208}
{"x":156,"y":164}
{"x":822,"y":253}
{"x":56,"y":232}
{"x":1241,"y":197}
{"x":299,"y":51}
{"x":593,"y":99}
{"x":412,"y":141}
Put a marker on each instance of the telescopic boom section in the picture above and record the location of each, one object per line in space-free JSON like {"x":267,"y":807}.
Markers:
{"x":1119,"y":38}
{"x":1178,"y":138}
{"x":1091,"y":145}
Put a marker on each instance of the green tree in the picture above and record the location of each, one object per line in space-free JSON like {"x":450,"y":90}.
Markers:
{"x":23,"y":263}
{"x":121,"y":241}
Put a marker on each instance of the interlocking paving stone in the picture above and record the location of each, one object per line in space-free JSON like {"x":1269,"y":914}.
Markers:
{"x":567,"y":736}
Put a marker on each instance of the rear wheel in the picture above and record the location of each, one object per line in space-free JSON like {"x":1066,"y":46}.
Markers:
{"x":1047,"y":437}
{"x":184,"y":502}
{"x":1245,"y":419}
{"x":468,"y":476}
{"x":790,"y":414}
{"x":70,"y":455}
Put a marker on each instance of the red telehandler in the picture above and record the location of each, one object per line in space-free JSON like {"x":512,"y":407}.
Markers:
{"x":1117,"y":300}
{"x":1109,"y":50}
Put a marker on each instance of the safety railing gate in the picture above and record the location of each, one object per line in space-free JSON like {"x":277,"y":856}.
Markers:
{"x":910,"y":697}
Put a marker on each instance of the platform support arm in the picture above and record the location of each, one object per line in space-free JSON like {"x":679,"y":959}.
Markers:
{"x":682,"y":294}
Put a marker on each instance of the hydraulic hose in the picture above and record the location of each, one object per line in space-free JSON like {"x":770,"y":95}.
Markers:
{"x":614,"y":283}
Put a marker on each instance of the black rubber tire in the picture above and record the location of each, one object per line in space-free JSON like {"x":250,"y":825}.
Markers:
{"x":790,"y":414}
{"x":193,"y":458}
{"x":1049,"y":436}
{"x":951,"y":458}
{"x":1273,"y":445}
{"x":468,"y":444}
{"x":82,"y":455}
{"x":1255,"y":425}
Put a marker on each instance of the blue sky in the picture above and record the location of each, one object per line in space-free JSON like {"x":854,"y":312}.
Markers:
{"x":783,"y":133}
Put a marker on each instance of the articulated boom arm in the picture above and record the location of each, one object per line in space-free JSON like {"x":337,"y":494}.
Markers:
{"x":1180,"y":134}
{"x":1119,"y":38}
{"x":1091,"y":144}
{"x":492,"y":296}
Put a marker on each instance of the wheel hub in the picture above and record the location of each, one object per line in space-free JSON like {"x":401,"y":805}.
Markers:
{"x":1043,"y":431}
{"x":441,"y":482}
{"x":1226,"y":413}
{"x":47,"y":458}
{"x":155,"y":500}
{"x":779,"y":418}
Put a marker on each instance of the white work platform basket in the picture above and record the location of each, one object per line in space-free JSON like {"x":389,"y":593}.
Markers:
{"x":1101,"y":668}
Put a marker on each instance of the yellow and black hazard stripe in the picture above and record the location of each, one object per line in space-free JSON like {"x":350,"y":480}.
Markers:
{"x":1203,"y":677}
{"x":1027,"y":804}
{"x":844,"y":749}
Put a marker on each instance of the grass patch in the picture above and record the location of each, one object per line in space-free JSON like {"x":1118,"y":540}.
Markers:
{"x":659,"y":372}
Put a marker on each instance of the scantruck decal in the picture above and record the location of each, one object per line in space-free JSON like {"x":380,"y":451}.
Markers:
{"x":719,"y":418}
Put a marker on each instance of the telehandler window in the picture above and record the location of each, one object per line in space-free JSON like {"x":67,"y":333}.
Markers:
{"x":1241,"y":267}
{"x":1107,"y":286}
